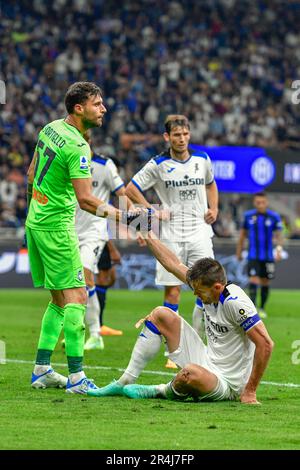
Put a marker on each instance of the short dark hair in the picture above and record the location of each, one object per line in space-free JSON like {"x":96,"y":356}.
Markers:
{"x":79,"y":93}
{"x":174,"y":120}
{"x":207,"y":271}
{"x":260,"y":194}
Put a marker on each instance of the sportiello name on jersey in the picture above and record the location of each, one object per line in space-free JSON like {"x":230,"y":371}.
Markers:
{"x":229,"y":349}
{"x":61,"y":155}
{"x":181,"y":187}
{"x":105,"y":180}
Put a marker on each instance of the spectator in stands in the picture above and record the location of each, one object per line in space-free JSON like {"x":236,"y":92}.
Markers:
{"x":227,"y":64}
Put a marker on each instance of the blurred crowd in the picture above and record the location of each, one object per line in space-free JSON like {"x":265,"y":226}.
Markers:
{"x":227,"y":64}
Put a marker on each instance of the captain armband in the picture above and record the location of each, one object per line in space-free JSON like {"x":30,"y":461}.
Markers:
{"x":250,"y":322}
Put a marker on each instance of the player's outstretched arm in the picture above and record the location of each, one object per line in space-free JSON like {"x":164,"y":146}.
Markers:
{"x":136,"y":196}
{"x":126,"y":201}
{"x":89,"y":203}
{"x":166,"y":257}
{"x":129,"y":204}
{"x":264,"y":346}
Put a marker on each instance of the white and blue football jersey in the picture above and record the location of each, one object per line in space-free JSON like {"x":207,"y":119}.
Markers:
{"x":105,"y":180}
{"x":229,"y":349}
{"x":181,"y":188}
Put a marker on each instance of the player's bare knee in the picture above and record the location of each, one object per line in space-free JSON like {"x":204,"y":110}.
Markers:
{"x":192,"y":373}
{"x":182,"y":378}
{"x":57,"y":298}
{"x":195,"y":371}
{"x":182,"y":382}
{"x":84,"y":298}
{"x":81,"y":296}
{"x":187,"y":381}
{"x":161,"y":315}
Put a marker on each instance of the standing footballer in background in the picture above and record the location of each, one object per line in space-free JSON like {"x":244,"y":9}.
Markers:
{"x":260,"y":227}
{"x":186,"y":187}
{"x":58,"y":177}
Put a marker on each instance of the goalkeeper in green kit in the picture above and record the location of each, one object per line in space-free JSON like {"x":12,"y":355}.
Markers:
{"x":58,"y":177}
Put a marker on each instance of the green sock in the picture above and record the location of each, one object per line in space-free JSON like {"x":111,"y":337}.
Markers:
{"x":74,"y":364}
{"x":52,"y":324}
{"x":74,"y":330}
{"x":43,"y":357}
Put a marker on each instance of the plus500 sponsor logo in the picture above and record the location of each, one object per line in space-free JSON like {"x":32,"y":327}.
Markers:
{"x":186,"y":182}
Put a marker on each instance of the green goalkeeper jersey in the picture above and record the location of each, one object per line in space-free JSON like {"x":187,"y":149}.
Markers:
{"x":62,"y":154}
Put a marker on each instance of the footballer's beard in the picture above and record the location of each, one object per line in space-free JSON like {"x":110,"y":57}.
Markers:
{"x":90,"y":123}
{"x":208,"y":299}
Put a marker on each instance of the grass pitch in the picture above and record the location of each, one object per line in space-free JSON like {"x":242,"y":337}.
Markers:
{"x":51,"y":419}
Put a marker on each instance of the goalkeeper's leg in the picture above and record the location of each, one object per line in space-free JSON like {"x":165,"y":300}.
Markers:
{"x":43,"y":375}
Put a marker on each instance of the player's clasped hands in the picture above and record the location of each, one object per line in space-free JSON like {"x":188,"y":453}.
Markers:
{"x":140,"y":218}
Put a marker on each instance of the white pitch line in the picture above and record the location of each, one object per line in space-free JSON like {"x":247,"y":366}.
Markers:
{"x":150,"y":372}
{"x":278,"y":384}
{"x":58,"y":364}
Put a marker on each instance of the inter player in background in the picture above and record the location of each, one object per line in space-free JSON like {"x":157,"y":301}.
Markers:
{"x":58,"y":177}
{"x":261,"y":227}
{"x":238,"y":344}
{"x":185,"y":185}
{"x":93,"y":236}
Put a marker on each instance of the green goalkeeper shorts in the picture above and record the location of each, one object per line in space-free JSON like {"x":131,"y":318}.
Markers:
{"x":54,"y":259}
